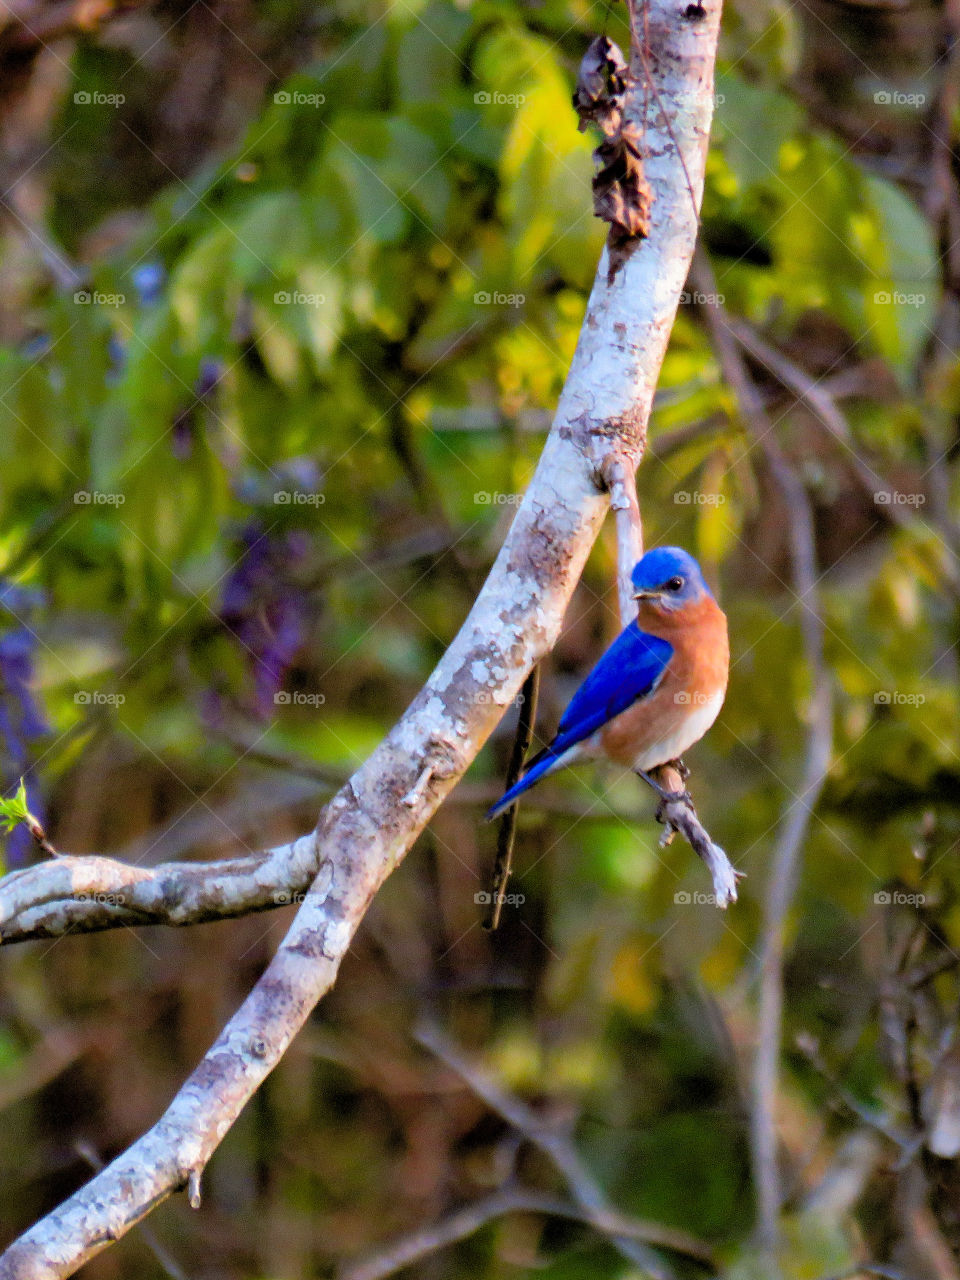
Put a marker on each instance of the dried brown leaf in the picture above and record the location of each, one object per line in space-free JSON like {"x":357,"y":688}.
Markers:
{"x":601,"y":84}
{"x":621,"y":194}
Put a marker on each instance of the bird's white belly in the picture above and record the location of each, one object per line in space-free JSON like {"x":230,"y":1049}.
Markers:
{"x":690,"y":730}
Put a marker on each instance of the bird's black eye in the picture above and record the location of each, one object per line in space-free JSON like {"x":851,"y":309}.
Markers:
{"x":674,"y":584}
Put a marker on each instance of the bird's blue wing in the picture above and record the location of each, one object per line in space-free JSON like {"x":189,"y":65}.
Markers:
{"x":629,"y":670}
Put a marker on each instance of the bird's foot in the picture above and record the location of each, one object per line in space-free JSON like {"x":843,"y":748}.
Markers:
{"x":680,"y":767}
{"x":666,"y":797}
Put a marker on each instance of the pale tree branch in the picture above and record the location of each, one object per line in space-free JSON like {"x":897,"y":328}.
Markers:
{"x":622,"y":485}
{"x":90,"y":894}
{"x":167,"y":1264}
{"x":367,"y":828}
{"x":86,"y":893}
{"x":680,"y":816}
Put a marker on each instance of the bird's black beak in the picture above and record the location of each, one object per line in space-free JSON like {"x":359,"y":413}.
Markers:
{"x":644,"y":594}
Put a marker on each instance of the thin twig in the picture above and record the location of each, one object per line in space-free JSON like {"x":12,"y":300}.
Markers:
{"x":40,"y":839}
{"x":816,"y":395}
{"x":621,"y":482}
{"x":680,"y":816}
{"x":44,"y":1062}
{"x":507,"y":829}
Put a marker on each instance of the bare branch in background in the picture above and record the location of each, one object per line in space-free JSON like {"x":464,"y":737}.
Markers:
{"x":869,"y":1269}
{"x":366,"y":829}
{"x":873,"y":1119}
{"x":55,"y":1052}
{"x":464,"y":1222}
{"x":816,"y":395}
{"x":819,"y":746}
{"x":562,"y":1154}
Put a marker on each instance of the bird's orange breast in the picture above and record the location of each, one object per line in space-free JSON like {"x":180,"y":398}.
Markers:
{"x":688,"y":696}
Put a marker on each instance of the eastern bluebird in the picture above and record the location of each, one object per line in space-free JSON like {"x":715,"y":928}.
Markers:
{"x":657,"y":689}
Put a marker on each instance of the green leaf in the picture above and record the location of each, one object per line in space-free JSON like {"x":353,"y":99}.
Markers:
{"x":753,"y":154}
{"x":13,"y":809}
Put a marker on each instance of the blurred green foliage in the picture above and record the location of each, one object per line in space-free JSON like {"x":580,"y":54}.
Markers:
{"x":257,"y":454}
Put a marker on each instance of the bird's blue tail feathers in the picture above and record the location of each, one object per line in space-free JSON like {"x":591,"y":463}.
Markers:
{"x":540,"y":765}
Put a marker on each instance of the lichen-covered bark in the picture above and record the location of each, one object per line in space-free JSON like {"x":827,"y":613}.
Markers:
{"x":366,"y":829}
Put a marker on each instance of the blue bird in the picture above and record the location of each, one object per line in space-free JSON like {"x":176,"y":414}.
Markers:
{"x":657,"y":689}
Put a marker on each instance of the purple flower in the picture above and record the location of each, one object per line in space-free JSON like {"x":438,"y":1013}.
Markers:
{"x":22,"y":721}
{"x":266,"y":610}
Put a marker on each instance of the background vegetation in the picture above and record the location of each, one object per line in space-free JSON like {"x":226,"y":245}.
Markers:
{"x":288,"y":295}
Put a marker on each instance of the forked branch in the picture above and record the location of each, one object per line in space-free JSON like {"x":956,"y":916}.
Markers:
{"x":366,"y":829}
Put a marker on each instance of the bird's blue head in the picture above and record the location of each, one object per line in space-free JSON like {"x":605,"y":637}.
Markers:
{"x":668,"y":578}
